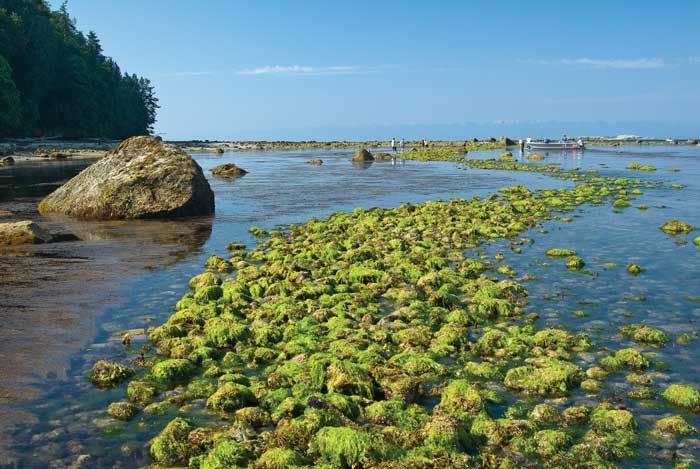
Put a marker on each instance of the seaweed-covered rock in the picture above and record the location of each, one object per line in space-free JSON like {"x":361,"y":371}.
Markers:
{"x":23,"y":232}
{"x":643,"y":334}
{"x":673,"y":425}
{"x":682,"y":395}
{"x":507,"y":157}
{"x":141,"y":178}
{"x":173,"y":370}
{"x":362,"y":155}
{"x":225,"y":454}
{"x":171,"y":447}
{"x":560,"y":252}
{"x":205,"y":279}
{"x":546,"y":376}
{"x":315,"y":162}
{"x":7,"y":161}
{"x":228,"y":171}
{"x":575,"y":263}
{"x":625,"y":358}
{"x":140,"y":392}
{"x":535,"y":156}
{"x":675,"y":227}
{"x":230,"y":397}
{"x":343,"y":447}
{"x":279,"y":458}
{"x":106,"y":374}
{"x":634,"y":269}
{"x":122,"y":410}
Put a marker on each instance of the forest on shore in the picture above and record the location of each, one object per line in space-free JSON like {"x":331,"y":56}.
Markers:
{"x":55,"y":81}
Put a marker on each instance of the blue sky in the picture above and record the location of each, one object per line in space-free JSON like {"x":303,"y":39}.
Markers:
{"x":362,"y":69}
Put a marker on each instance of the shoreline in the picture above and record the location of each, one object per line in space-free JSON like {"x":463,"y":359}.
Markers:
{"x":33,"y":149}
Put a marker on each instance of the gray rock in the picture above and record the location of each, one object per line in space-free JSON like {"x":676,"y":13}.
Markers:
{"x":228,"y":171}
{"x":141,"y":178}
{"x":23,"y":232}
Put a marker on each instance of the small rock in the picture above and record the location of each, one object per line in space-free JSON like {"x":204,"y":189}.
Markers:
{"x":23,"y":232}
{"x":228,"y":171}
{"x":362,"y":155}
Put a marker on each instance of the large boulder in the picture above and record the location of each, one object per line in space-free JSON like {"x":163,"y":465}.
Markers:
{"x":7,"y":161}
{"x":506,"y":141}
{"x":362,"y":155}
{"x":22,"y":232}
{"x":140,"y":178}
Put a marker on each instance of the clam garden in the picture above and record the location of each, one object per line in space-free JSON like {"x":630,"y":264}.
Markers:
{"x":469,"y":332}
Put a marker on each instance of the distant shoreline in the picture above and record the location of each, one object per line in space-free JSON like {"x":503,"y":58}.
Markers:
{"x":31,"y":149}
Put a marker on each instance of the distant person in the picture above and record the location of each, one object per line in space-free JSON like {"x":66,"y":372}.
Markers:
{"x":393,"y":145}
{"x":402,"y":145}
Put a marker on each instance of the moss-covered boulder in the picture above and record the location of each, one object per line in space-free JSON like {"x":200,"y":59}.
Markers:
{"x":535,"y":156}
{"x":682,"y":395}
{"x":228,"y":171}
{"x":141,"y":178}
{"x":575,"y":263}
{"x":105,"y":374}
{"x":634,"y":269}
{"x":122,"y":410}
{"x":507,"y":157}
{"x":676,"y":227}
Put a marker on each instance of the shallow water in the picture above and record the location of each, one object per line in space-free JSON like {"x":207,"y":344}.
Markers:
{"x":145,"y":280}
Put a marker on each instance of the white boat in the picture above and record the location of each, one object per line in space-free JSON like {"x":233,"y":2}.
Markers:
{"x":561,"y":145}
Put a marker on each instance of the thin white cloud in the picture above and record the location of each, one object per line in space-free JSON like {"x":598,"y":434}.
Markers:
{"x":629,"y":64}
{"x":621,"y":64}
{"x":188,"y":74}
{"x":298,"y":70}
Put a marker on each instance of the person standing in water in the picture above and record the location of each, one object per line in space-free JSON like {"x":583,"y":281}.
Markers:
{"x":393,"y":145}
{"x":402,"y":144}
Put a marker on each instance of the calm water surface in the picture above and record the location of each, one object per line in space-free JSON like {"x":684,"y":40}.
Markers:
{"x":137,"y":271}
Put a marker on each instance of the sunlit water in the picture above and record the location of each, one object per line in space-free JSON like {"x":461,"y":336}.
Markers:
{"x":68,"y":415}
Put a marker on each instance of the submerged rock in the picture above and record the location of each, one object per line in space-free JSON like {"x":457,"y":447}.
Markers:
{"x":106,"y":374}
{"x":382,"y":156}
{"x":23,"y":232}
{"x":122,"y":410}
{"x":362,"y":155}
{"x":316,"y":162}
{"x":228,"y":171}
{"x":141,"y":178}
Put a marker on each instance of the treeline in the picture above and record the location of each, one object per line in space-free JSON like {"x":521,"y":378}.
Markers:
{"x":55,"y":81}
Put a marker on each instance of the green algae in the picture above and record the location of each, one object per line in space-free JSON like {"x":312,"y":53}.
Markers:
{"x":371,"y":338}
